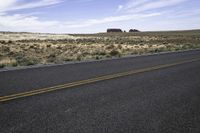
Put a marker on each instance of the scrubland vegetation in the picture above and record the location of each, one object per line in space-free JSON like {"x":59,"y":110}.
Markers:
{"x":22,"y":49}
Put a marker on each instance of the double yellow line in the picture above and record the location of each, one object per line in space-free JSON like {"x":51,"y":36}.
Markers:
{"x":91,"y":80}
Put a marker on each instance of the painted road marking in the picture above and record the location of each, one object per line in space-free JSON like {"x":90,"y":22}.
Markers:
{"x":91,"y":80}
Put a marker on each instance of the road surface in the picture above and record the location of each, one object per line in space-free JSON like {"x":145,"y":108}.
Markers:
{"x":145,"y":94}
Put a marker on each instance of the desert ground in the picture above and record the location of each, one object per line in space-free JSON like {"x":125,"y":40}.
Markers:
{"x":23,"y":49}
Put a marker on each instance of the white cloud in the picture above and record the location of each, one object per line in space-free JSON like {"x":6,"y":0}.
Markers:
{"x":29,"y":22}
{"x":133,"y":10}
{"x":120,"y":7}
{"x":134,"y":6}
{"x":134,"y":3}
{"x":4,"y":5}
{"x":19,"y":22}
{"x":112,"y":19}
{"x":10,"y":5}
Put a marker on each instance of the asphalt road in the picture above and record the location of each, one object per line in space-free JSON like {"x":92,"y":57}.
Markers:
{"x":166,"y":100}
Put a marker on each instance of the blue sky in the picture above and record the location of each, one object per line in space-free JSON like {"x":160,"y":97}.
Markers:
{"x":91,"y":16}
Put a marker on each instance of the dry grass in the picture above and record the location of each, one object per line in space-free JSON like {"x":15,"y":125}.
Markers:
{"x":21,"y":49}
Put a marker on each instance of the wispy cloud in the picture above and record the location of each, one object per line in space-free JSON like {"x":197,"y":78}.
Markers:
{"x":18,"y":22}
{"x":5,"y":5}
{"x":132,"y":10}
{"x":10,"y":5}
{"x":22,"y":22}
{"x":134,"y":6}
{"x":113,"y":19}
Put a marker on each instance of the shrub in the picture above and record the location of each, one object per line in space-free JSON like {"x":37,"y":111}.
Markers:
{"x":32,"y":46}
{"x":2,"y":65}
{"x":111,"y":46}
{"x":98,"y":57}
{"x":59,"y":47}
{"x":24,"y":61}
{"x":9,"y":42}
{"x":14,"y":64}
{"x":156,"y":50}
{"x":120,"y":46}
{"x":102,"y":53}
{"x":3,"y":42}
{"x":114,"y":53}
{"x":48,"y":45}
{"x":108,"y":56}
{"x":6,"y":49}
{"x":27,"y":62}
{"x":51,"y":58}
{"x":78,"y":58}
{"x":68,"y":59}
{"x":185,"y":46}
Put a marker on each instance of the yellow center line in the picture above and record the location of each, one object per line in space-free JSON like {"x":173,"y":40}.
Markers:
{"x":91,"y":80}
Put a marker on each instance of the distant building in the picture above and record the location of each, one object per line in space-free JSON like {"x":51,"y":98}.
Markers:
{"x":134,"y":30}
{"x":114,"y":30}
